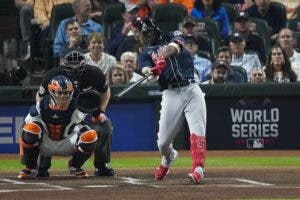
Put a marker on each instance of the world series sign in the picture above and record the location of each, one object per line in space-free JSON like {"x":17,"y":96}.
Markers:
{"x":252,"y":123}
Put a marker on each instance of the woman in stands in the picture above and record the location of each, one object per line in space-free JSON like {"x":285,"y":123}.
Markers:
{"x":212,"y":9}
{"x":117,"y":76}
{"x":278,"y":66}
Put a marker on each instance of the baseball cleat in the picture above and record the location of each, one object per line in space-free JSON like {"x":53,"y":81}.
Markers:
{"x":161,"y":173}
{"x":168,"y":160}
{"x":105,"y":170}
{"x":196,"y":176}
{"x":81,"y":173}
{"x":27,"y":174}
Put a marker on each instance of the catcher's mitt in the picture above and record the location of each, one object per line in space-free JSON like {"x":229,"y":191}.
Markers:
{"x":88,"y":101}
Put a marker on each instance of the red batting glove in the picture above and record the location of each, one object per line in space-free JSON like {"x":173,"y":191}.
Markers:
{"x":159,"y":67}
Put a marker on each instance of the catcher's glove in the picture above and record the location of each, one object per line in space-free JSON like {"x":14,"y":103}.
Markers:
{"x":88,"y":101}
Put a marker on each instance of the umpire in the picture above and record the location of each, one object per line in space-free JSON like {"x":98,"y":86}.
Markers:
{"x":84,"y":78}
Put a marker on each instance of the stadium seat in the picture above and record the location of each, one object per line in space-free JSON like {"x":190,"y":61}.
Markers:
{"x":112,"y":15}
{"x":241,"y":71}
{"x":169,"y":16}
{"x":58,"y":13}
{"x":262,"y":30}
{"x":209,"y":29}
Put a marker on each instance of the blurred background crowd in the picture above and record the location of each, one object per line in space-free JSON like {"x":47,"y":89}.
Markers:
{"x":232,"y":41}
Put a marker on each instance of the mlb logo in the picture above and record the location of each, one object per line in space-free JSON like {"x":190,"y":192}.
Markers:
{"x":255,"y":143}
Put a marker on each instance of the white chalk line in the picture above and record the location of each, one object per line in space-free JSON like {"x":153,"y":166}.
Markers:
{"x":100,"y":186}
{"x":253,"y":182}
{"x":49,"y":187}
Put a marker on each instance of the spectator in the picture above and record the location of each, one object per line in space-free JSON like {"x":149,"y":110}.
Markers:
{"x":129,"y":62}
{"x":74,"y":35}
{"x":145,"y":7}
{"x":202,"y":65}
{"x":26,"y":16}
{"x":117,"y":76}
{"x":122,"y":32}
{"x":241,"y":4}
{"x":263,"y":9}
{"x":82,"y":9}
{"x":239,"y":56}
{"x":278,"y":67}
{"x":96,"y":56}
{"x":189,"y":28}
{"x":224,"y":54}
{"x":292,"y":7}
{"x":253,"y":41}
{"x":219,"y":73}
{"x":212,"y":9}
{"x":42,"y":11}
{"x":257,"y":75}
{"x":287,"y":41}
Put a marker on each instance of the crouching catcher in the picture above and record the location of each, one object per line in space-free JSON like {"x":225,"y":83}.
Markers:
{"x":54,"y":127}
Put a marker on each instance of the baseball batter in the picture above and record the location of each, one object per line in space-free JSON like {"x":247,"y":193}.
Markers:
{"x":182,"y":98}
{"x":54,"y":127}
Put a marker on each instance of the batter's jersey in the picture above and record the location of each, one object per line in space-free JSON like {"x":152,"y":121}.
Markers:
{"x":179,"y":67}
{"x":57,"y":124}
{"x":88,"y":78}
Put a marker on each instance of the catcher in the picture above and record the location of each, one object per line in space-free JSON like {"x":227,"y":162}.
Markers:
{"x":55,"y":127}
{"x":85,"y":79}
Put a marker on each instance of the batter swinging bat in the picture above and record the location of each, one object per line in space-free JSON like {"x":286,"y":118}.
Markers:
{"x":130,"y":87}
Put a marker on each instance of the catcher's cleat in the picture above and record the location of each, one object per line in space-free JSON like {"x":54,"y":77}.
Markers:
{"x":196,"y":176}
{"x":27,"y":174}
{"x":71,"y":168}
{"x":105,"y":170}
{"x":81,"y":173}
{"x":161,"y":173}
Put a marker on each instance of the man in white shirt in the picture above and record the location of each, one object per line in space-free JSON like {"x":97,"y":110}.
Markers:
{"x":239,"y":57}
{"x":287,"y":41}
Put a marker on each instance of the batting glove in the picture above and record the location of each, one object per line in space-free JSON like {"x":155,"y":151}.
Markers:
{"x":159,"y":67}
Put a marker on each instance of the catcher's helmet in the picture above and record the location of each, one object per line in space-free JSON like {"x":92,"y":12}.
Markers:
{"x":61,"y":91}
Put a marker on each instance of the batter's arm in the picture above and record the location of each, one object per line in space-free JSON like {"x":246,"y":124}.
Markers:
{"x":171,"y":50}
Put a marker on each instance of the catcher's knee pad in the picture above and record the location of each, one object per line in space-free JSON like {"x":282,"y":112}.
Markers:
{"x":31,"y":133}
{"x":87,"y":140}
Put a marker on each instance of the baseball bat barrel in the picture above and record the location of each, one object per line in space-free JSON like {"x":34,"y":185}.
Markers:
{"x":127,"y":89}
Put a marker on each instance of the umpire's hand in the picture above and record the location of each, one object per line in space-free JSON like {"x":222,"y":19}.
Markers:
{"x":99,"y":119}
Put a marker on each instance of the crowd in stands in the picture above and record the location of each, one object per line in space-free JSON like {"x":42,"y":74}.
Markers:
{"x":255,"y":41}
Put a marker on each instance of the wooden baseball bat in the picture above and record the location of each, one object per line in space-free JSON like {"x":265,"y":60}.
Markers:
{"x":127,"y":89}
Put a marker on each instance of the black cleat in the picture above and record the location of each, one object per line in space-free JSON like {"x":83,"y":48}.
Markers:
{"x":104,"y":171}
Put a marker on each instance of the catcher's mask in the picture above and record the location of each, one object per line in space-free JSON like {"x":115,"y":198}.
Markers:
{"x":150,"y":31}
{"x":74,"y":60}
{"x":61,"y":91}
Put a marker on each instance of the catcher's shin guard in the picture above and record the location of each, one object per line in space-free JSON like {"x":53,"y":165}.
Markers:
{"x":198,"y":150}
{"x":29,"y":144}
{"x":30,"y":155}
{"x":87,"y":140}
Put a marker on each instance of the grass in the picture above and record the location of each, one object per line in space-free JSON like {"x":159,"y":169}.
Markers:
{"x":60,"y":163}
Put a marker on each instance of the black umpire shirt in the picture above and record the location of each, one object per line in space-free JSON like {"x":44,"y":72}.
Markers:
{"x":88,"y":78}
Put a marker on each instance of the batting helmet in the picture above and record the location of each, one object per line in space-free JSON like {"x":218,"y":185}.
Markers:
{"x":150,"y":31}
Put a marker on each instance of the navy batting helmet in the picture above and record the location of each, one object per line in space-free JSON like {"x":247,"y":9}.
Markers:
{"x":150,"y":31}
